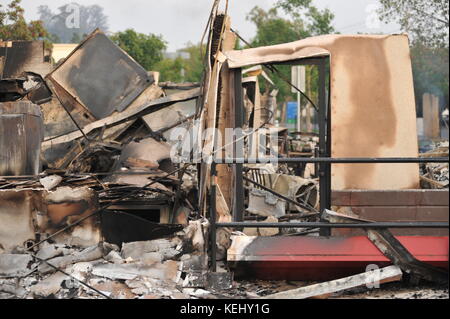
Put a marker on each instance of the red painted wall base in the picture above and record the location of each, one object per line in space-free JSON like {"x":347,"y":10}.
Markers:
{"x":318,"y":258}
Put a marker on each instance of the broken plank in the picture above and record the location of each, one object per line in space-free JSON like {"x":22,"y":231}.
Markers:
{"x":226,"y":116}
{"x":370,"y":279}
{"x":400,"y":256}
{"x":127,"y":115}
{"x":393,"y":249}
{"x":223,"y":210}
{"x":179,"y":86}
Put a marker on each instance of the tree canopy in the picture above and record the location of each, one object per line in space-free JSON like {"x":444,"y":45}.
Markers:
{"x":313,"y":20}
{"x":431,"y":71}
{"x":427,"y":24}
{"x":300,"y":20}
{"x":183,"y":69}
{"x":427,"y":21}
{"x":146,"y":49}
{"x":13,"y":25}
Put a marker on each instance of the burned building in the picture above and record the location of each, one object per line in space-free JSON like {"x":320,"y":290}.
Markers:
{"x":114,"y":185}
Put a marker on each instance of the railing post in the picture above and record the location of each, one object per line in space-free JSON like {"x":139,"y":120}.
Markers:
{"x":324,"y":139}
{"x":238,"y":209}
{"x":213,"y":217}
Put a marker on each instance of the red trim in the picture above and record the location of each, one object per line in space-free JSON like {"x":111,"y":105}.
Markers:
{"x":316,"y":258}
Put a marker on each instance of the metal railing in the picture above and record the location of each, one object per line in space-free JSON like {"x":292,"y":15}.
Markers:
{"x":321,"y":225}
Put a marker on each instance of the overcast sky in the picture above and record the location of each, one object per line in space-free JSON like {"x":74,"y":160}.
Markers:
{"x":183,"y":21}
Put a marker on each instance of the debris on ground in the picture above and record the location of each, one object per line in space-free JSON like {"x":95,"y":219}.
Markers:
{"x":435,"y":175}
{"x":323,"y":290}
{"x":173,"y":267}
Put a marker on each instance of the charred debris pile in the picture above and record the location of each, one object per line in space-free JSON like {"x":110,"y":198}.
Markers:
{"x":100,"y":198}
{"x":92,"y":201}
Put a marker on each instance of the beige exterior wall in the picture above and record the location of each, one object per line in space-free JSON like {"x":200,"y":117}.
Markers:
{"x":62,"y":50}
{"x":372,"y":103}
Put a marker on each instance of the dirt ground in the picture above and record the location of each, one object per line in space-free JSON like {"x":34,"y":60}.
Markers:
{"x":403,"y":290}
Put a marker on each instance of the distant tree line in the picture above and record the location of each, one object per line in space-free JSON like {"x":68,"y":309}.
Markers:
{"x":425,"y":21}
{"x":13,"y":25}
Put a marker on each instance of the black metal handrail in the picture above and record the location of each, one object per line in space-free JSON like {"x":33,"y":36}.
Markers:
{"x":373,"y":225}
{"x":350,"y":160}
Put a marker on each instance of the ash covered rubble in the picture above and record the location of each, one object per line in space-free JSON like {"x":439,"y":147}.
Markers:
{"x":173,"y":267}
{"x":94,"y":167}
{"x":98,"y":209}
{"x":435,"y":175}
{"x":106,"y":139}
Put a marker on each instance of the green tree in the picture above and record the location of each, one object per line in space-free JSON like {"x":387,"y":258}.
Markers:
{"x":427,"y":24}
{"x":13,"y":25}
{"x":171,"y":70}
{"x":426,"y":21}
{"x":303,"y":20}
{"x":272,"y":29}
{"x":188,"y":67}
{"x":431,"y":71}
{"x":194,"y":66}
{"x":76,"y":37}
{"x":313,"y":20}
{"x":147,"y":50}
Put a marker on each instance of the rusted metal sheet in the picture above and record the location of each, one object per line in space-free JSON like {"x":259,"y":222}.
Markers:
{"x":165,"y":119}
{"x":31,"y":87}
{"x":32,"y":214}
{"x":323,"y":258}
{"x":126,"y":116}
{"x":66,"y":206}
{"x":24,"y":56}
{"x":101,"y":77}
{"x":21,"y":133}
{"x":372,"y":103}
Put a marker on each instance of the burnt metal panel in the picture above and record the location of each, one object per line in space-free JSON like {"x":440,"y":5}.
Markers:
{"x":11,"y":89}
{"x":101,"y":76}
{"x":29,"y":215}
{"x":21,"y":133}
{"x":23,"y":56}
